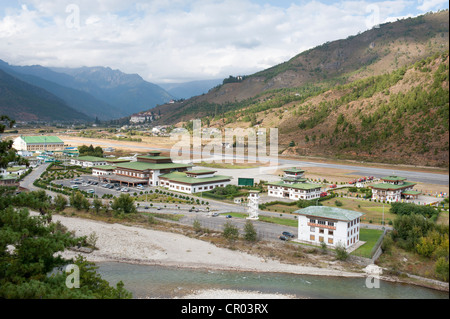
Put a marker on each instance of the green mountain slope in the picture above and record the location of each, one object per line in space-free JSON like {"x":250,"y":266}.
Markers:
{"x":374,"y":52}
{"x":25,"y":102}
{"x":381,"y":96}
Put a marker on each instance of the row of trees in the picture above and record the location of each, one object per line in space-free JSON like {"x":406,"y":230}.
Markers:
{"x":416,"y":233}
{"x":90,"y":151}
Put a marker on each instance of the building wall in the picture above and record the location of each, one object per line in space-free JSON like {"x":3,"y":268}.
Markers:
{"x":96,"y":172}
{"x":341,"y":232}
{"x":294,"y":194}
{"x":190,"y":189}
{"x":390,"y":195}
{"x":20,"y":145}
{"x":86,"y":164}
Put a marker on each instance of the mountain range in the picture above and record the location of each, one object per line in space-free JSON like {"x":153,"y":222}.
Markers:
{"x":381,"y":95}
{"x":25,"y":102}
{"x":186,"y":90}
{"x":97,"y":92}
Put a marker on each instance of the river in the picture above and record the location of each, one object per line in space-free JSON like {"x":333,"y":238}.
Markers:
{"x":167,"y":283}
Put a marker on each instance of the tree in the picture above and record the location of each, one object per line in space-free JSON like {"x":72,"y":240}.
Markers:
{"x":341,"y":252}
{"x":442,"y":268}
{"x":29,"y":249}
{"x":78,"y":201}
{"x":230,"y":232}
{"x":250,"y":232}
{"x":124,"y":204}
{"x":7,"y":153}
{"x":60,"y":203}
{"x":97,"y":203}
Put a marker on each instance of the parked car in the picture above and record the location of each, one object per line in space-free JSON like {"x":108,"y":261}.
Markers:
{"x":284,"y":238}
{"x":288,"y":234}
{"x":229,"y":216}
{"x":324,"y":194}
{"x":91,"y":191}
{"x":215,"y":215}
{"x":125,"y":190}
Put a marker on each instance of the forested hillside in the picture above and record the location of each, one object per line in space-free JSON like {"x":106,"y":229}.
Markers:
{"x":380,"y":96}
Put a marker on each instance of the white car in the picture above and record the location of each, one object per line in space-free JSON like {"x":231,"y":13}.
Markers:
{"x":125,"y":190}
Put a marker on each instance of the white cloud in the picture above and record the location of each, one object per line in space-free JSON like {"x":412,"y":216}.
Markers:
{"x":427,"y":5}
{"x":175,"y":40}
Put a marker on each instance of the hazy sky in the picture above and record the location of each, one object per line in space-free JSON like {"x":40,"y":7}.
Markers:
{"x":184,"y":40}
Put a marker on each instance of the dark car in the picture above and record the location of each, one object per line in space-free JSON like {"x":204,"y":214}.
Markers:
{"x":284,"y":238}
{"x":288,"y":234}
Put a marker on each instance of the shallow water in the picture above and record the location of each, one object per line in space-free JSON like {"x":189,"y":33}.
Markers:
{"x":165,"y":282}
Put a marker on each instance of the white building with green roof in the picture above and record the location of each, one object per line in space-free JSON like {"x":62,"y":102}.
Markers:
{"x":294,"y":186}
{"x":38,"y":144}
{"x":194,"y":181}
{"x":394,"y":189}
{"x":331,"y":225}
{"x":88,"y":161}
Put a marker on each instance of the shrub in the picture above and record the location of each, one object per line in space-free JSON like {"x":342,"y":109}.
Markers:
{"x":250,"y":232}
{"x":341,"y":252}
{"x":230,"y":231}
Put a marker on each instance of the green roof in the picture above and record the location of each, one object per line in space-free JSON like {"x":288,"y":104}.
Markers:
{"x":387,"y":186}
{"x":412,"y":193}
{"x":294,"y":170}
{"x":304,"y":186}
{"x":142,"y":166}
{"x":154,"y":157}
{"x":201,"y":171}
{"x":182,"y":178}
{"x":294,"y":179}
{"x":41,"y":139}
{"x":329,"y":212}
{"x":8,"y":177}
{"x":394,"y":178}
{"x":91,"y":159}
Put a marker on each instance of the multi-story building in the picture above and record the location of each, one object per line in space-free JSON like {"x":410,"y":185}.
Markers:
{"x":157,"y":170}
{"x":194,"y":181}
{"x":38,"y":144}
{"x":88,"y":161}
{"x":146,"y":170}
{"x":294,"y":186}
{"x":393,"y":189}
{"x":331,"y":225}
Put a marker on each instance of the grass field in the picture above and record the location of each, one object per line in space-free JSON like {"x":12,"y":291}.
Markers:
{"x":372,"y":211}
{"x":370,"y":236}
{"x":267,"y":219}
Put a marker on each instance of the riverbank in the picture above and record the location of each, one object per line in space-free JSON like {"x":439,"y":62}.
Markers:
{"x":143,"y":246}
{"x":137,"y":245}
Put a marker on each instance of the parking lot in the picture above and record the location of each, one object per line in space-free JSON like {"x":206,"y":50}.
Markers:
{"x":99,"y":187}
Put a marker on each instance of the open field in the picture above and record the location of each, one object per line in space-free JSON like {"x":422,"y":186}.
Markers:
{"x":370,"y":236}
{"x":373,"y":211}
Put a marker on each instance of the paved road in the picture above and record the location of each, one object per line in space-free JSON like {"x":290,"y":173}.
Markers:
{"x":431,"y":178}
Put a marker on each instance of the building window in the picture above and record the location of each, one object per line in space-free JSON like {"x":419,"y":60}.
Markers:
{"x":313,"y":229}
{"x":330,"y":241}
{"x":321,"y":239}
{"x":331,"y":232}
{"x":321,"y":231}
{"x":331,"y":224}
{"x":312,"y":237}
